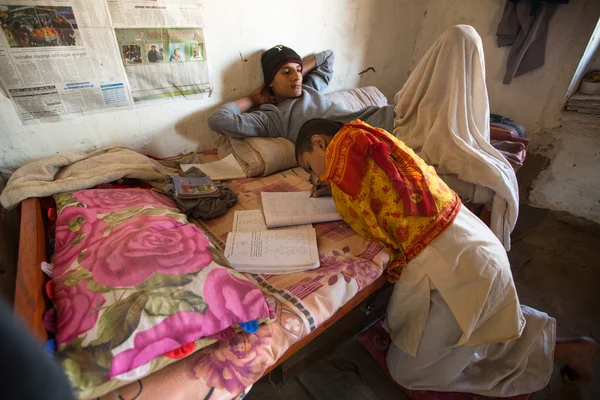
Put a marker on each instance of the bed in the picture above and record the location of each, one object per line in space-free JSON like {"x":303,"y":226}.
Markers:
{"x":306,"y":304}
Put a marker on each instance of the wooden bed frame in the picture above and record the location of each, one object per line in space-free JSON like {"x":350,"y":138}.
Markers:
{"x":30,"y":303}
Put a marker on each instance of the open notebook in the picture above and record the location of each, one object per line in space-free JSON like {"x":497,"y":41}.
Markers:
{"x":253,"y":248}
{"x":297,"y":208}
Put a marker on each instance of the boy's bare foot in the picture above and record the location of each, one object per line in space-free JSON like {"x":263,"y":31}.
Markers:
{"x":577,"y":354}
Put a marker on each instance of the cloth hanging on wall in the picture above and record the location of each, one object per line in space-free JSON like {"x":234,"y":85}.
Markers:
{"x":524,"y":26}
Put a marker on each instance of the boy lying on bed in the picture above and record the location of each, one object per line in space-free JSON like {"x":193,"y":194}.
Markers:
{"x":454,"y":317}
{"x":441,"y":112}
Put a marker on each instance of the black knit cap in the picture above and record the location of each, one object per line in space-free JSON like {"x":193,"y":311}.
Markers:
{"x":275,"y":58}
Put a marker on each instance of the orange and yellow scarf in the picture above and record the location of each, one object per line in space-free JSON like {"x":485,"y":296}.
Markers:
{"x":383,"y":190}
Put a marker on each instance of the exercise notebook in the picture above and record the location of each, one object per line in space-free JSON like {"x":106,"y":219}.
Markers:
{"x":297,"y":208}
{"x":253,"y":248}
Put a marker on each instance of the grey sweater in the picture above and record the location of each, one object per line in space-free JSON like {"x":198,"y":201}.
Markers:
{"x":286,"y":118}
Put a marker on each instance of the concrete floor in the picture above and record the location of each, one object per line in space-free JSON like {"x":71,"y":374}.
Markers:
{"x":556,"y":259}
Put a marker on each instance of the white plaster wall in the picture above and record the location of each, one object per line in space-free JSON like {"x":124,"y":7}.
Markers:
{"x":360,"y":32}
{"x":571,"y":141}
{"x":388,"y":35}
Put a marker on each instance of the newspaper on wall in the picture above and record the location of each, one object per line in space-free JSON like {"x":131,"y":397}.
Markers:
{"x":155,"y":13}
{"x":58,"y":59}
{"x":164,"y":63}
{"x":161,"y":44}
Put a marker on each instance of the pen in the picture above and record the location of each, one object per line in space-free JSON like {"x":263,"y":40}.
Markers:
{"x":319,"y":187}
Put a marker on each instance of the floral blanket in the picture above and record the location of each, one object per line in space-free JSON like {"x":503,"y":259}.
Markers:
{"x":302,"y":302}
{"x":137,"y":287}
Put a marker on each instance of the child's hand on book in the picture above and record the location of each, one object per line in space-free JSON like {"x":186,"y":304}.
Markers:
{"x":320,"y":190}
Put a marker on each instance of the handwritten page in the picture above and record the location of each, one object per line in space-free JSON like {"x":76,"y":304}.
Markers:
{"x":297,"y":208}
{"x":222,"y":170}
{"x":273,"y":251}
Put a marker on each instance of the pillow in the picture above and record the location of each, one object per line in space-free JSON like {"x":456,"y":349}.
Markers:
{"x":136,"y":287}
{"x":261,"y":156}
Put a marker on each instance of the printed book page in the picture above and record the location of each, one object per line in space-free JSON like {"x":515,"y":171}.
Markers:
{"x":297,"y":208}
{"x":248,"y":221}
{"x":273,"y":251}
{"x":222,"y":170}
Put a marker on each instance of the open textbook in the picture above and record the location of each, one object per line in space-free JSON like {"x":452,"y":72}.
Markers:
{"x":253,"y":248}
{"x":297,"y":208}
{"x":221,"y":170}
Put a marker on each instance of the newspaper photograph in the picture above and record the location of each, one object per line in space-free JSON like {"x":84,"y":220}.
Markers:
{"x":164,"y":63}
{"x":39,"y":26}
{"x":155,"y":13}
{"x":57,"y":59}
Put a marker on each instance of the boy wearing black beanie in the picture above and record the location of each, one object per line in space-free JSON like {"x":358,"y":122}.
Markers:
{"x":292,"y":94}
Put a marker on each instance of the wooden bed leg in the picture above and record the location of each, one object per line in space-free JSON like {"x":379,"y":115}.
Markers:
{"x":29,"y":290}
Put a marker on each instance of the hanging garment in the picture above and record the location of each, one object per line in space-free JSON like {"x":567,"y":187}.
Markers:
{"x":524,"y":26}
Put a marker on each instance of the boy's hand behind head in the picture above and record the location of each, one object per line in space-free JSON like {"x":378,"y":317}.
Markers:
{"x":260,"y":96}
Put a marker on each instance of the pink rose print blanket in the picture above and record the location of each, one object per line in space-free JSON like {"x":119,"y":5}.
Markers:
{"x":302,"y":302}
{"x":137,"y":287}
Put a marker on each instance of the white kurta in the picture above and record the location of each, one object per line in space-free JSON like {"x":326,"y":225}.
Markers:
{"x":454,"y":317}
{"x":456,"y":323}
{"x":469,"y":267}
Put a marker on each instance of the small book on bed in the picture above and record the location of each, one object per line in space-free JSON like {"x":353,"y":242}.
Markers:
{"x":194,"y":188}
{"x":253,"y":248}
{"x":297,"y":208}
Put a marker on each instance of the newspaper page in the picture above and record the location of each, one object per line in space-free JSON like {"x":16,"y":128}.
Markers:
{"x":155,"y":13}
{"x":164,"y":63}
{"x":58,"y":59}
{"x":162,"y":47}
